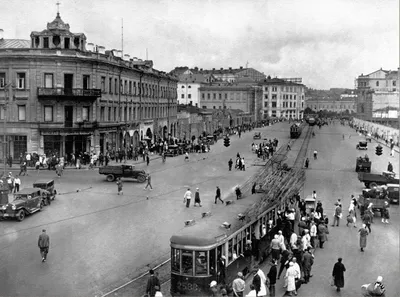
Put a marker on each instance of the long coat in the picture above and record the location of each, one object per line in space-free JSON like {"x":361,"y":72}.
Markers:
{"x":151,"y":284}
{"x":363,"y":237}
{"x":338,"y":274}
{"x":308,"y":261}
{"x":322,"y":231}
{"x":291,"y":275}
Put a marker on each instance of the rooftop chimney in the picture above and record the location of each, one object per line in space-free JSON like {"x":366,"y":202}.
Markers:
{"x":89,"y":47}
{"x":127,"y":57}
{"x":1,"y":33}
{"x":241,"y":67}
{"x":101,"y":49}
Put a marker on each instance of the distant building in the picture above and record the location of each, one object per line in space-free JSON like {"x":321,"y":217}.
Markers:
{"x":225,"y":74}
{"x":378,"y":96}
{"x":189,"y":85}
{"x":343,"y":105}
{"x":282,"y":98}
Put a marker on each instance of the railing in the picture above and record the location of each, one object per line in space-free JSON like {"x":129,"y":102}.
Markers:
{"x":47,"y":92}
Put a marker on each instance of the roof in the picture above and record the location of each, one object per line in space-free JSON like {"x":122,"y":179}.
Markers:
{"x":15,"y":43}
{"x":28,"y":191}
{"x":43,"y":181}
{"x":193,"y":78}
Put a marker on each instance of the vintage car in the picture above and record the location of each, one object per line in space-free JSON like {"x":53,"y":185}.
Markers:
{"x":48,"y":193}
{"x":362,"y":145}
{"x":26,"y":201}
{"x":257,"y":135}
{"x":118,"y":171}
{"x":377,"y":196}
{"x":393,"y":193}
{"x":172,"y":151}
{"x":371,"y":180}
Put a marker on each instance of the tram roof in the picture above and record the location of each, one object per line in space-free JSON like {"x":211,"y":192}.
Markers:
{"x":208,"y":231}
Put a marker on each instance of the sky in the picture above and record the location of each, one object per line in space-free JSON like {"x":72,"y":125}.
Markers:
{"x":328,"y":43}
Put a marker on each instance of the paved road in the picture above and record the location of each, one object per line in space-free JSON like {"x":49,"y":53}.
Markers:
{"x":333,"y":177}
{"x":99,"y":239}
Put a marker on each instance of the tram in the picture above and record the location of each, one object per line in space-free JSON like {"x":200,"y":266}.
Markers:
{"x":295,"y":130}
{"x":311,"y":121}
{"x":208,"y":251}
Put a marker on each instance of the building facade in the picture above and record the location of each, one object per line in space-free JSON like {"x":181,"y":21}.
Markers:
{"x":281,"y":98}
{"x":61,"y":98}
{"x":343,"y":105}
{"x":188,"y":88}
{"x":378,"y":96}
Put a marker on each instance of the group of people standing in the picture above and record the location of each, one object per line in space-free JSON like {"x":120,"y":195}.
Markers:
{"x":265,"y":149}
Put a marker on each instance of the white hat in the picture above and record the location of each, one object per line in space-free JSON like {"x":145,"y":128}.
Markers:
{"x":379,"y":279}
{"x":213,"y":284}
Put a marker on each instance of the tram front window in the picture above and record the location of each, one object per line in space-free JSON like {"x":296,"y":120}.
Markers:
{"x":201,"y":263}
{"x":187,"y":262}
{"x":176,"y":260}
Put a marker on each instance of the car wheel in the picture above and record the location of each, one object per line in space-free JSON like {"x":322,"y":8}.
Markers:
{"x":110,"y":178}
{"x":141,"y":178}
{"x":373,"y":185}
{"x":21,"y":215}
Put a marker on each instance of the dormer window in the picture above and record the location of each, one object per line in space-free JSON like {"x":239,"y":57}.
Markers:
{"x":66,"y":42}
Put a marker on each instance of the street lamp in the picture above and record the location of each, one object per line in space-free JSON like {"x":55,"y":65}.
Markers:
{"x":7,"y":99}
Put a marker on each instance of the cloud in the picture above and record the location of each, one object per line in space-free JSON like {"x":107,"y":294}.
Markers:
{"x":327,"y":43}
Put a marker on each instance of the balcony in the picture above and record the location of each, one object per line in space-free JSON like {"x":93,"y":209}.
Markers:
{"x":50,"y":93}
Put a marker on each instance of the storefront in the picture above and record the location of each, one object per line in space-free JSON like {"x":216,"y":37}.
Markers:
{"x":15,"y":146}
{"x":61,"y":143}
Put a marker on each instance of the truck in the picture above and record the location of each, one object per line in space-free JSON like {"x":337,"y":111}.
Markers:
{"x":372,"y":180}
{"x":377,"y":196}
{"x":363,"y":164}
{"x":118,"y":171}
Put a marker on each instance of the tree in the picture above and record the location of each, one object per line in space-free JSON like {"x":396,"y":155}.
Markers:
{"x":308,"y":110}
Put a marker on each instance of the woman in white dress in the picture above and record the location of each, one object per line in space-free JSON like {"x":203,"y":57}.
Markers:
{"x":290,"y":279}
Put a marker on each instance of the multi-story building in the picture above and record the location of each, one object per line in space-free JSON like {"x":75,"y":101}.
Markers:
{"x":189,"y":85}
{"x":282,"y":98}
{"x":228,"y":74}
{"x":63,"y":98}
{"x":340,"y":106}
{"x":378,"y":92}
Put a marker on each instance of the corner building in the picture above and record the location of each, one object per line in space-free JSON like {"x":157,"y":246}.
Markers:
{"x":62,"y":98}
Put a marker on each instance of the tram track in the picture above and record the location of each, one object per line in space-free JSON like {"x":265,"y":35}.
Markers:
{"x":137,"y":286}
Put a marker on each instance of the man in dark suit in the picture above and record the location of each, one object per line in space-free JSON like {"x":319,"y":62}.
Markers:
{"x":43,"y":244}
{"x":152,"y":282}
{"x":272,"y":277}
{"x":256,"y":281}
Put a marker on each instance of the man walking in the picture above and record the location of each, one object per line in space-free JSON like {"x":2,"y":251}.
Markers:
{"x":187,"y":197}
{"x":119,"y":186}
{"x":308,"y":261}
{"x":43,"y":244}
{"x":152,"y":283}
{"x":363,"y":237}
{"x":17,"y":184}
{"x":238,"y":285}
{"x":148,"y":182}
{"x":337,"y":215}
{"x":230,"y":163}
{"x":197,"y":198}
{"x":218,"y":195}
{"x":272,"y":278}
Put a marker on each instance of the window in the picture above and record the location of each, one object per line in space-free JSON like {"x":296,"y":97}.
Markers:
{"x":394,"y":83}
{"x":214,"y":96}
{"x":266,"y":96}
{"x":187,"y":262}
{"x":208,"y":96}
{"x":85,"y":113}
{"x":21,"y":80}
{"x":48,"y":80}
{"x":274,"y":97}
{"x":86,"y":82}
{"x":290,"y":97}
{"x":110,"y":85}
{"x":134,"y":87}
{"x":102,"y":110}
{"x":2,"y":112}
{"x":116,"y":86}
{"x":226,"y":96}
{"x":21,"y":113}
{"x":219,"y":96}
{"x":125,"y":89}
{"x":202,"y":96}
{"x":377,"y":83}
{"x":48,"y":113}
{"x":130,"y":87}
{"x":176,"y":260}
{"x":46,"y":42}
{"x":204,"y":107}
{"x":266,"y":89}
{"x":66,"y":43}
{"x":294,"y":97}
{"x":214,"y":107}
{"x":189,"y":87}
{"x":183,"y":87}
{"x":183,"y":96}
{"x":219,"y":107}
{"x":189,"y":96}
{"x":103,"y":84}
{"x":201,"y":263}
{"x":115,"y":114}
{"x":265,"y":104}
{"x":274,"y":89}
{"x":2,"y":80}
{"x":109,"y":114}
{"x":273,"y":104}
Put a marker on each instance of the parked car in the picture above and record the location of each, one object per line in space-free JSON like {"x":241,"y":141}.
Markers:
{"x":26,"y":201}
{"x":48,"y":193}
{"x":129,"y":171}
{"x":393,"y":193}
{"x":371,"y":180}
{"x":362,"y":145}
